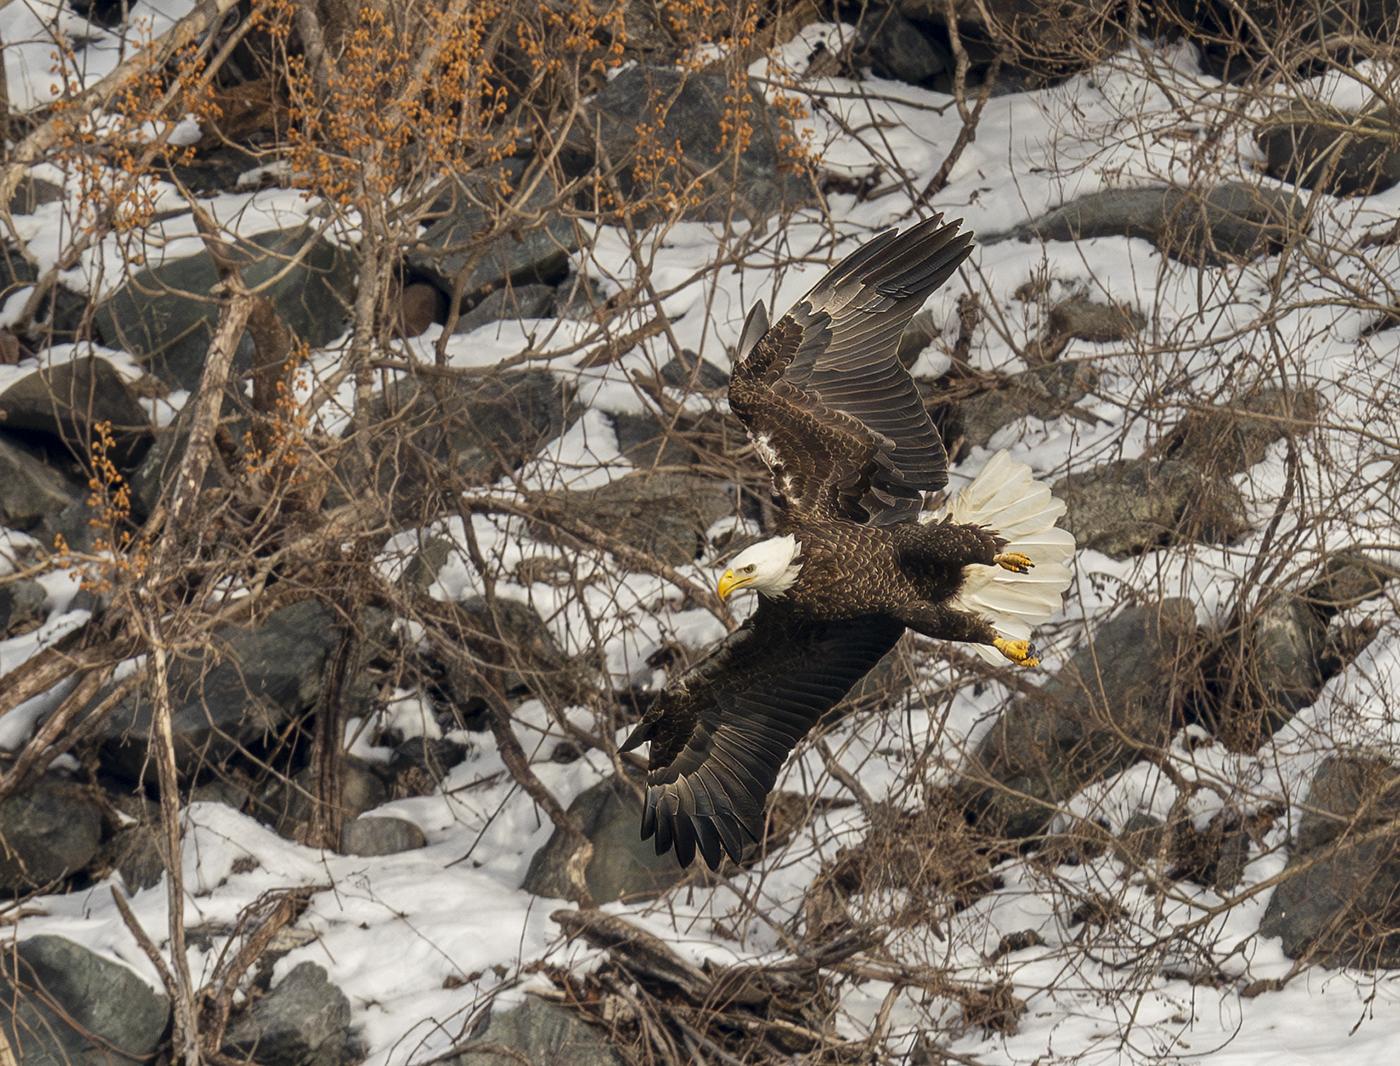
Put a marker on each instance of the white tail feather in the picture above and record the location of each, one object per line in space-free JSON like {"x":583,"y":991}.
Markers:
{"x":1005,"y":497}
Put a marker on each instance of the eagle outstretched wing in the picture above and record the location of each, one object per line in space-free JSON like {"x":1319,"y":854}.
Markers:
{"x":833,"y":413}
{"x":721,"y":731}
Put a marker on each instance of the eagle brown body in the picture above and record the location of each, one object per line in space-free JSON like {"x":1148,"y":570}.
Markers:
{"x":852,"y":450}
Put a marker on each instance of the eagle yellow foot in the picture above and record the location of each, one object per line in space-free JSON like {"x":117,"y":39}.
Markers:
{"x":1019,"y":652}
{"x":1013,"y":561}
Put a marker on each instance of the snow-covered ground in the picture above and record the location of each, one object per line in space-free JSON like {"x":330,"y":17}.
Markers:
{"x":419,"y":941}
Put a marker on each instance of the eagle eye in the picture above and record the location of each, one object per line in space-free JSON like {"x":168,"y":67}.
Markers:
{"x":750,"y":568}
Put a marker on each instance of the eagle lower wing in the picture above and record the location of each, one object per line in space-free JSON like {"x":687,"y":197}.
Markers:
{"x":836,"y":416}
{"x":721,"y":731}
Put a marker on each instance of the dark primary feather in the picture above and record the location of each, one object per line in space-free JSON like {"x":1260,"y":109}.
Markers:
{"x":847,"y":429}
{"x":721,"y":731}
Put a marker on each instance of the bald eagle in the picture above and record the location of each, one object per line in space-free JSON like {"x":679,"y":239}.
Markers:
{"x":843,"y":429}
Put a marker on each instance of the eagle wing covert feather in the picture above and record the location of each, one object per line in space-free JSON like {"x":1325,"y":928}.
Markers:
{"x":835,"y":415}
{"x":721,"y":731}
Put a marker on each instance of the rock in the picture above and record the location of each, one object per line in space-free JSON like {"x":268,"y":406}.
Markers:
{"x":688,"y":371}
{"x":1339,"y":152}
{"x":1232,"y":222}
{"x":1095,"y":322}
{"x":649,"y":107}
{"x":893,"y":47}
{"x":1049,"y":39}
{"x":165,"y":317}
{"x":61,"y":1005}
{"x":1231,"y":438}
{"x":529,"y":252}
{"x":1117,"y":691}
{"x":1128,"y":506}
{"x":1044,"y":392}
{"x":579,"y":296}
{"x":61,"y":311}
{"x":133,"y":851}
{"x":533,"y":657}
{"x":1255,"y":685}
{"x":21,"y":602}
{"x":1343,"y":909}
{"x":303,"y":1021}
{"x":646,"y":440}
{"x":265,"y":675}
{"x":535,"y":1032}
{"x":665,"y":515}
{"x":425,"y":762}
{"x":1237,"y":38}
{"x":31,"y":193}
{"x":287,"y":809}
{"x":156,"y":472}
{"x":515,"y":302}
{"x":380,"y":836}
{"x":1348,"y":579}
{"x":66,"y":401}
{"x":433,"y":436}
{"x":624,"y":866}
{"x":49,"y":832}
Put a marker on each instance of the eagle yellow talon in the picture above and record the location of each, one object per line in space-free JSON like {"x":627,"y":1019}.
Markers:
{"x":1019,"y":652}
{"x":1013,"y":561}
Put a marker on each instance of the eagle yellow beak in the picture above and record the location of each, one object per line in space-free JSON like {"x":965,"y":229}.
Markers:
{"x":729,"y":581}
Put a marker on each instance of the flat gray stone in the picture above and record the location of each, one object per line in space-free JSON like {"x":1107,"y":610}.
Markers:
{"x":264,"y":676}
{"x":31,"y":489}
{"x":64,"y":402}
{"x":1233,"y":222}
{"x":165,"y":315}
{"x":61,"y":1005}
{"x":1045,"y":747}
{"x":303,"y":1021}
{"x":538,"y":1033}
{"x":529,"y":253}
{"x":380,"y":836}
{"x":624,"y":866}
{"x":1343,"y":909}
{"x":49,"y":832}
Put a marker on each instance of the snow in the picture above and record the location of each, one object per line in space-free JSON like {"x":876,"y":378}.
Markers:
{"x":420,"y":941}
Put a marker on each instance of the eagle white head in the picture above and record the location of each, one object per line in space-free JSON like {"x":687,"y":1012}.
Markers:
{"x":770,"y":567}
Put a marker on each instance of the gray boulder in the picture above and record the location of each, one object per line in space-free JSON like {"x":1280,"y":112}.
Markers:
{"x":436,"y":433}
{"x":536,"y":1032}
{"x":287,"y":807}
{"x":531,"y":252}
{"x":1128,"y":506}
{"x":164,"y":315}
{"x":694,"y":111}
{"x":1339,"y":903}
{"x":624,"y":866}
{"x":303,"y":1021}
{"x":49,"y":832}
{"x":893,"y":47}
{"x":1085,"y":723}
{"x":61,"y":1005}
{"x":21,"y":603}
{"x":1044,"y":392}
{"x":380,"y":836}
{"x":31,"y":489}
{"x":65,"y":402}
{"x":1256,"y":681}
{"x":1339,"y":152}
{"x":665,"y":515}
{"x":133,"y":850}
{"x":515,"y":302}
{"x":1232,"y":222}
{"x":263,"y":676}
{"x":1233,"y":436}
